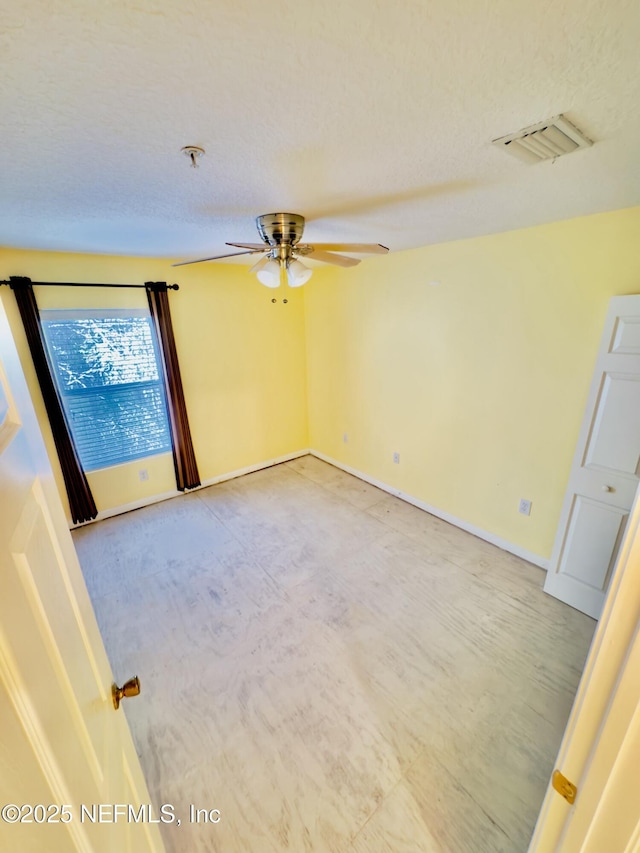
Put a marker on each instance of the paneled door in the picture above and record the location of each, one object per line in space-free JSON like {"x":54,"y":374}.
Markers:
{"x":599,"y":751}
{"x":63,"y":746}
{"x":604,"y":475}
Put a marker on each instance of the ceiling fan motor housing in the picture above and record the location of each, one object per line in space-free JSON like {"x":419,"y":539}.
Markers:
{"x":279,"y":229}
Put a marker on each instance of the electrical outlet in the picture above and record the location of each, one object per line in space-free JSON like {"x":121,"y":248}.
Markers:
{"x":345,"y":437}
{"x":143,"y":475}
{"x":524,"y":507}
{"x":396,"y":458}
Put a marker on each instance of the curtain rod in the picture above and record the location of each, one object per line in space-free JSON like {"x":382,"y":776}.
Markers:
{"x":81,"y":284}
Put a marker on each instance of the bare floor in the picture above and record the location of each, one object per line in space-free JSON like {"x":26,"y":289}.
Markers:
{"x":333,"y":669}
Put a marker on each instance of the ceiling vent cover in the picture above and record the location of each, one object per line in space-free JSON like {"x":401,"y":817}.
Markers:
{"x":544,"y":141}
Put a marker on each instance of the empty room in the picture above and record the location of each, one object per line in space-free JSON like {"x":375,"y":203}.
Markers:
{"x":319,"y":427}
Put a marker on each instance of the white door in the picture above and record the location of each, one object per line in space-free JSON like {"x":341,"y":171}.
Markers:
{"x":62,"y":743}
{"x":599,"y":751}
{"x":604,"y":474}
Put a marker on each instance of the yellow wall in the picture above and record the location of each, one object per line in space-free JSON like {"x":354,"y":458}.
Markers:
{"x":242,"y":361}
{"x":479,"y":382}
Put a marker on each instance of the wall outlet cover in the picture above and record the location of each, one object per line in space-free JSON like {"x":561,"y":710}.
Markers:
{"x":524,"y":507}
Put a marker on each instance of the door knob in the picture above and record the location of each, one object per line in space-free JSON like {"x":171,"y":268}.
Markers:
{"x":608,"y":489}
{"x":129,"y":688}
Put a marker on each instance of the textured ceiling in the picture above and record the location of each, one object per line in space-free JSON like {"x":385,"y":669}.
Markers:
{"x":372,"y":118}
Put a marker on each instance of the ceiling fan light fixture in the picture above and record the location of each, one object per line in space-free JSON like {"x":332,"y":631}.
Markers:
{"x":297,"y":273}
{"x":269,"y":275}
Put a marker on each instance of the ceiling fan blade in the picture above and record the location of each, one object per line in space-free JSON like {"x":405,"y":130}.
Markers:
{"x":261,"y":264}
{"x":373,"y":248}
{"x":219,"y":257}
{"x":263,"y":246}
{"x":332,"y":258}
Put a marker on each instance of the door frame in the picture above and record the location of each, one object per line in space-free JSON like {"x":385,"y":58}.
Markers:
{"x":600,"y":682}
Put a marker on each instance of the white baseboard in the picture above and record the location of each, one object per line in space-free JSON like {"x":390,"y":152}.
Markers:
{"x":542,"y":562}
{"x":251,"y":468}
{"x":139,"y":504}
{"x":536,"y":559}
{"x":211,"y":481}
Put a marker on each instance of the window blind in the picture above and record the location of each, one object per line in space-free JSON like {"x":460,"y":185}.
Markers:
{"x":107,"y":373}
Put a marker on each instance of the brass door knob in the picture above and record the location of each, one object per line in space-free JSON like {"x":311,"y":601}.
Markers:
{"x":129,"y":688}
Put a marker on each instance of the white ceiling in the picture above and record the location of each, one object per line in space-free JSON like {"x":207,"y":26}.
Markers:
{"x":372,"y":118}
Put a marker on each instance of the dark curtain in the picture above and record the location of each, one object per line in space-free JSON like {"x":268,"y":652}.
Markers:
{"x":81,"y":501}
{"x":184,"y":459}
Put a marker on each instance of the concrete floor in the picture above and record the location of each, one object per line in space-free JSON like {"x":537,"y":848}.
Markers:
{"x":333,"y":669}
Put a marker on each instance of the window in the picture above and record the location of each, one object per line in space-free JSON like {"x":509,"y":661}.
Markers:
{"x":106,"y":367}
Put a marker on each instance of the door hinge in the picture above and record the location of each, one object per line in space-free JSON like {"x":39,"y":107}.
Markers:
{"x":563,"y":786}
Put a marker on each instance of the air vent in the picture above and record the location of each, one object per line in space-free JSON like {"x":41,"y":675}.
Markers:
{"x":544,"y":141}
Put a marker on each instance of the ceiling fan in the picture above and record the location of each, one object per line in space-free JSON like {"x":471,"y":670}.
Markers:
{"x":282,"y":249}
